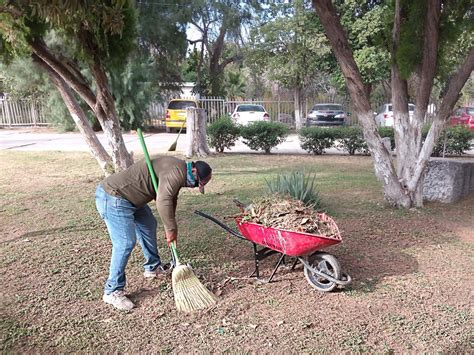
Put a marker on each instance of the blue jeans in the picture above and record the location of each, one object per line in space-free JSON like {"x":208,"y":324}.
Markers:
{"x":125,"y":224}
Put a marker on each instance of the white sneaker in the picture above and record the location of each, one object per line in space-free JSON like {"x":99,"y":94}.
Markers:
{"x":118,"y":300}
{"x":159,"y":271}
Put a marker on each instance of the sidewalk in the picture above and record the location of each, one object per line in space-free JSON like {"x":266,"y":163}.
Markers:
{"x":45,"y":139}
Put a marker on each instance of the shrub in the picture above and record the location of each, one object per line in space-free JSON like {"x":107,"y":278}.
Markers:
{"x":388,"y":132}
{"x":222,"y":133}
{"x":316,"y":139}
{"x":351,"y":140}
{"x":297,"y":185}
{"x":452,"y":141}
{"x":264,"y":135}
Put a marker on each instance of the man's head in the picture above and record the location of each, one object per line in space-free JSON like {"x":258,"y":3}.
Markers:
{"x":203,"y":173}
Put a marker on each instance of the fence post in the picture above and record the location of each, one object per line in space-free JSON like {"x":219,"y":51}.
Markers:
{"x":7,"y":110}
{"x":33,"y":112}
{"x":278,"y":109}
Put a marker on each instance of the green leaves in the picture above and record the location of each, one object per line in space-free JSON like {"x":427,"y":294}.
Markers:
{"x":264,"y":135}
{"x":222,"y":134}
{"x":316,"y":139}
{"x":297,"y":184}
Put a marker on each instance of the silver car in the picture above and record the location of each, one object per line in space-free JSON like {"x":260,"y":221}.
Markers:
{"x":326,"y":115}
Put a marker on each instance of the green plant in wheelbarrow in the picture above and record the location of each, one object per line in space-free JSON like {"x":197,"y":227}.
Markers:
{"x":299,"y":185}
{"x":222,"y":133}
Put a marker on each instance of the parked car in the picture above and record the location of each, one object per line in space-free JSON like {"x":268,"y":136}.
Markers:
{"x":463,"y":116}
{"x":176,"y":113}
{"x":247,"y":113}
{"x":385,"y":116}
{"x":326,"y":115}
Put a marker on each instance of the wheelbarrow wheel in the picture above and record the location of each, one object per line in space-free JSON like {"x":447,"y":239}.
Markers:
{"x":325,"y":263}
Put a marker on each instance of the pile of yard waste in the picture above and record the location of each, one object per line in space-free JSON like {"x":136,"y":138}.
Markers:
{"x":286,"y":213}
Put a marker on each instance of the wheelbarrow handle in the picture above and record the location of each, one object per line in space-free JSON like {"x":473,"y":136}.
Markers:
{"x":220,"y":224}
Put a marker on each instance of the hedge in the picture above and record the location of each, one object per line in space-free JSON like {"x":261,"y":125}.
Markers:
{"x":223,"y":133}
{"x":264,"y":135}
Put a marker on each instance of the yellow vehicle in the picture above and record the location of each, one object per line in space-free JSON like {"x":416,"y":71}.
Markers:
{"x":176,"y":113}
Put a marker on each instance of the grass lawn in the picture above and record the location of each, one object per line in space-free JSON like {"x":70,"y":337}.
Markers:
{"x":412,"y":270}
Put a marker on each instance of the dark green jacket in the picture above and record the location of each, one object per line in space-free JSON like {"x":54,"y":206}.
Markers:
{"x":135,"y":185}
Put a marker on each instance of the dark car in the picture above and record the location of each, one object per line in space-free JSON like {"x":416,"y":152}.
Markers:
{"x":326,"y":115}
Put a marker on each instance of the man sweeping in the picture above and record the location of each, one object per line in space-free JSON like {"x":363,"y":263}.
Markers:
{"x":121,"y":200}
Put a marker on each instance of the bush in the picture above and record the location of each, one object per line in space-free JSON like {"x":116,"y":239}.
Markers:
{"x":264,"y":135}
{"x":351,"y":140}
{"x":297,"y":185}
{"x":222,"y":133}
{"x":452,"y":141}
{"x":388,"y":132}
{"x":316,"y":139}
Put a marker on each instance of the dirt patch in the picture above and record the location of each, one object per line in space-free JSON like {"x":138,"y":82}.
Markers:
{"x":412,"y":270}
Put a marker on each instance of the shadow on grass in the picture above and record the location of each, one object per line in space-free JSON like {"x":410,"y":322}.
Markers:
{"x":51,"y":231}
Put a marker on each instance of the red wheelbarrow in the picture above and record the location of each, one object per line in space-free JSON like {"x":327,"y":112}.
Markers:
{"x":321,"y":269}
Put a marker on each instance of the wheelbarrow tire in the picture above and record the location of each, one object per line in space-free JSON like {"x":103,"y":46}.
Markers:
{"x":325,"y":263}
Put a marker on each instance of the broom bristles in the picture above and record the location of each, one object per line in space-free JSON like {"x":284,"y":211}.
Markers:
{"x":172,"y":148}
{"x":189,"y":293}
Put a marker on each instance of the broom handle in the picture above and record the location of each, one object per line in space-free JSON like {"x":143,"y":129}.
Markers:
{"x":174,"y":252}
{"x":180,"y":130}
{"x":155,"y":184}
{"x":147,"y":159}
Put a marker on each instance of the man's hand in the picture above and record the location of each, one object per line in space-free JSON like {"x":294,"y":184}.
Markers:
{"x":171,"y":236}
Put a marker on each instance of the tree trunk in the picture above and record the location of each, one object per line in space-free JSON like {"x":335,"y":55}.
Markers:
{"x":447,"y":105}
{"x":105,"y":105}
{"x":196,"y":122}
{"x":299,"y":115}
{"x":405,"y":188}
{"x":99,"y":104}
{"x":79,"y":117}
{"x":383,"y":165}
{"x":407,"y":135}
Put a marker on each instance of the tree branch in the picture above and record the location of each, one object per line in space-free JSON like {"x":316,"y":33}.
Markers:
{"x":194,"y":23}
{"x":195,"y":41}
{"x":449,"y":100}
{"x":340,"y":46}
{"x":79,"y":86}
{"x":430,"y":52}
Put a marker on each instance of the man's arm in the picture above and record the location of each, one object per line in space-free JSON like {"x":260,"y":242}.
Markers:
{"x":166,"y":206}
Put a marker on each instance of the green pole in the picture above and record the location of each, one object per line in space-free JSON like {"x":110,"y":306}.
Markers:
{"x":148,"y":161}
{"x":174,"y":252}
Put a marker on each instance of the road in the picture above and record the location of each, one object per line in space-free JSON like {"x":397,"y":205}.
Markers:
{"x":45,"y":139}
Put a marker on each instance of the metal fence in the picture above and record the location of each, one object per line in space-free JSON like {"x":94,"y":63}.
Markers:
{"x":31,"y":112}
{"x":279,"y":110}
{"x":21,"y":113}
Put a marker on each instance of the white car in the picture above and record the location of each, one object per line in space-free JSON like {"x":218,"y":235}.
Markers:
{"x":245,"y":114}
{"x":385,"y":116}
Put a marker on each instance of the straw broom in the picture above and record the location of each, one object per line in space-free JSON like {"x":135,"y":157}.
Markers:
{"x":173,"y":146}
{"x":189,"y":293}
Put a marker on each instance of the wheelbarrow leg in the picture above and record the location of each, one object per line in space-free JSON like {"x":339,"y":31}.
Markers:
{"x":256,"y":254}
{"x":294,"y":264}
{"x":276,"y":267}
